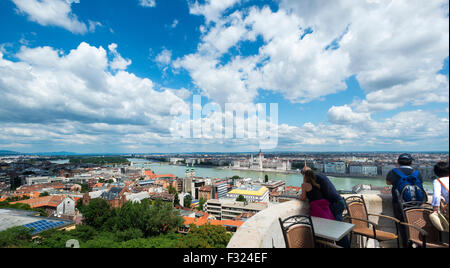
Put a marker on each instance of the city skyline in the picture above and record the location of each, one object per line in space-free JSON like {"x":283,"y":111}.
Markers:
{"x":99,"y":77}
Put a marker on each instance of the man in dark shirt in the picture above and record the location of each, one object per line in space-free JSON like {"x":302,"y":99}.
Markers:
{"x":405,"y":162}
{"x":337,"y":202}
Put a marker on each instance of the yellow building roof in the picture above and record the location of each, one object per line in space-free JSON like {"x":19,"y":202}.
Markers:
{"x":259,"y":192}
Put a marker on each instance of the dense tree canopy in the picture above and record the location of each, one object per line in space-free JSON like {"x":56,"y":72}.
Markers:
{"x":16,"y":237}
{"x":97,"y":213}
{"x":152,"y":220}
{"x":99,"y":160}
{"x":135,"y":225}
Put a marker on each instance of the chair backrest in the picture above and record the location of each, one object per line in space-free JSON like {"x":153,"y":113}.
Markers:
{"x":420,"y":217}
{"x":404,"y":205}
{"x":298,"y":232}
{"x":356,"y":208}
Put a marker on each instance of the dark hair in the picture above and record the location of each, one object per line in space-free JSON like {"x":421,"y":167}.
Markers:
{"x":441,"y":169}
{"x":310,"y":177}
{"x":405,"y":160}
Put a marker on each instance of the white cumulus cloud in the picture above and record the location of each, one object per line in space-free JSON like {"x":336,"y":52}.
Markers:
{"x":54,"y":13}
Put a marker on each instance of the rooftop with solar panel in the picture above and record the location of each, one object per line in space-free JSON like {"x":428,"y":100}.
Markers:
{"x":10,"y":218}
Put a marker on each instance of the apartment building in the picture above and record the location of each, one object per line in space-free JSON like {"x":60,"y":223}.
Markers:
{"x":229,"y":209}
{"x":251,"y":193}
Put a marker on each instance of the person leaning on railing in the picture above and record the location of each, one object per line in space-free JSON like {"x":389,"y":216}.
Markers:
{"x":337,"y":202}
{"x":440,"y":196}
{"x":440,"y":185}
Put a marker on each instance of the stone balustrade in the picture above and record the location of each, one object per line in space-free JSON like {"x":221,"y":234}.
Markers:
{"x":263,"y":230}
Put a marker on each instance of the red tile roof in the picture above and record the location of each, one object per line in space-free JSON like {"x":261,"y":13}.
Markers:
{"x":204,"y":220}
{"x":164,"y":176}
{"x":46,"y":201}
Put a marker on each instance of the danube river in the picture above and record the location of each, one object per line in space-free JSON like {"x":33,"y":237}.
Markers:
{"x":345,"y":184}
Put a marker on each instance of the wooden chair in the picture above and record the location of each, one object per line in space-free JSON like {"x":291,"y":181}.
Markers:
{"x":357,"y":214}
{"x":421,"y":232}
{"x":298,"y":232}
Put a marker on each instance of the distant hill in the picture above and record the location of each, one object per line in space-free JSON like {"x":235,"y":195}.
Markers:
{"x":4,"y":153}
{"x":54,"y":154}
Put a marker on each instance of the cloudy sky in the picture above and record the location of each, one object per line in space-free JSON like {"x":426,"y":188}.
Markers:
{"x":101,"y":76}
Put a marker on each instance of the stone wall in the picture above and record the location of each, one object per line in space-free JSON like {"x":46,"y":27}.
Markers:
{"x":263,"y":230}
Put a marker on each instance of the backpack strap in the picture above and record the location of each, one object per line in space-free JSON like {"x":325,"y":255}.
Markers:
{"x":415,"y":174}
{"x":399,"y":172}
{"x":445,"y":187}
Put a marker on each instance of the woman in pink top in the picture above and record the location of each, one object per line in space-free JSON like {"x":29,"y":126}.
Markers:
{"x":319,"y":206}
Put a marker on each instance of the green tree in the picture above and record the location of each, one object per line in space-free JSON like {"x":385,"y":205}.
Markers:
{"x":84,"y":188}
{"x":161,"y":241}
{"x":130,"y":234}
{"x":17,"y":198}
{"x":187,"y":201}
{"x":201,"y":203}
{"x":241,"y":198}
{"x":15,"y":237}
{"x":15,"y":183}
{"x":99,"y":160}
{"x":206,"y":236}
{"x":172,"y":190}
{"x":97,"y":213}
{"x":84,"y":232}
{"x":53,"y":239}
{"x":159,"y":218}
{"x":44,"y":194}
{"x":100,"y":242}
{"x":176,"y":200}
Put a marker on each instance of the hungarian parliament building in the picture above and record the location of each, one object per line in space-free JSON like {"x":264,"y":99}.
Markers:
{"x":260,"y":163}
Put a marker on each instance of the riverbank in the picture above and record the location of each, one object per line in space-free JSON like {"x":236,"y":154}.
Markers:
{"x":298,"y":172}
{"x":291,"y":179}
{"x":263,"y":170}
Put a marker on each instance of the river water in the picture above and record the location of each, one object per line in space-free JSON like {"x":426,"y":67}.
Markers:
{"x":345,"y":184}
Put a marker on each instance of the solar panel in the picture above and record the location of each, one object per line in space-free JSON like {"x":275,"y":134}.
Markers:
{"x":43,"y":225}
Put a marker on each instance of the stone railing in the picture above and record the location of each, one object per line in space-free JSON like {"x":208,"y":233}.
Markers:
{"x":263,"y":230}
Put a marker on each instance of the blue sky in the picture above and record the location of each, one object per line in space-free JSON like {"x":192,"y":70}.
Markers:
{"x":102,"y":76}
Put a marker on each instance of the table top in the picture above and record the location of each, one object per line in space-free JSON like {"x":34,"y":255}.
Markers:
{"x":331,"y":230}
